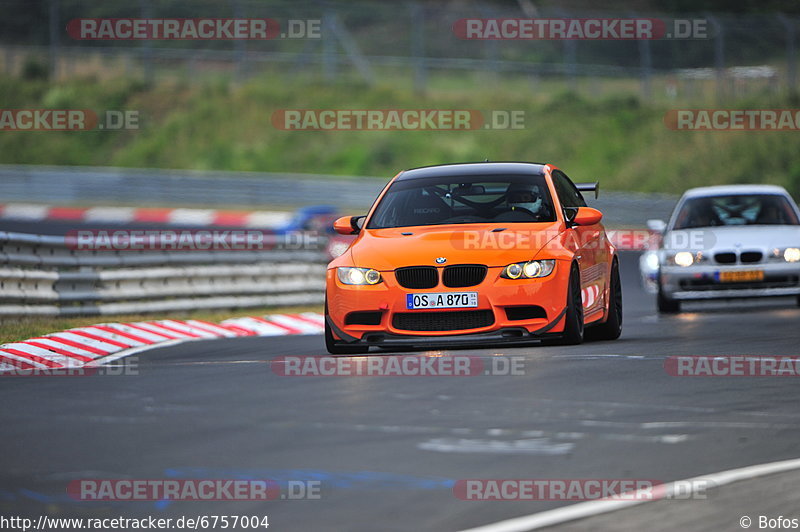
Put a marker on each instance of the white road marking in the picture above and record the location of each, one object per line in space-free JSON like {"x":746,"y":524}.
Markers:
{"x":592,"y":508}
{"x":528,"y":446}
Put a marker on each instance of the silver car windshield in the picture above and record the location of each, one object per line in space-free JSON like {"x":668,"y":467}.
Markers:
{"x":757,"y":209}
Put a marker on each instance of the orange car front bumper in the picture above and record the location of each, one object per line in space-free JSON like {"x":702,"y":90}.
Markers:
{"x":507,"y":309}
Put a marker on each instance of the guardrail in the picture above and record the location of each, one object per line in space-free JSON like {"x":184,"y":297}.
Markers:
{"x":85,"y":185}
{"x":43,"y":275}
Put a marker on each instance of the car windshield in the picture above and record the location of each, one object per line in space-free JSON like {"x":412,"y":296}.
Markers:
{"x":464,"y":200}
{"x":759,"y":209}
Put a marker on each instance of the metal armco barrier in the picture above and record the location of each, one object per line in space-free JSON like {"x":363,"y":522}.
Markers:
{"x":83,"y":185}
{"x":42,"y":275}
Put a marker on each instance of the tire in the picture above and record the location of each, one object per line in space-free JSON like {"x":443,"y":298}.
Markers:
{"x":573,"y":318}
{"x":666,"y":305}
{"x":336,"y":347}
{"x":612,"y":328}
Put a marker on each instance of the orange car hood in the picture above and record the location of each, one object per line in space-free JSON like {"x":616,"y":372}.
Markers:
{"x":387,"y":249}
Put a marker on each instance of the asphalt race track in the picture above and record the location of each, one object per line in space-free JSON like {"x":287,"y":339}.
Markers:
{"x":387,"y":450}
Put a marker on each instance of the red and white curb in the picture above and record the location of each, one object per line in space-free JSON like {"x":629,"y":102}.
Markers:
{"x":167,"y":216}
{"x":104,"y":342}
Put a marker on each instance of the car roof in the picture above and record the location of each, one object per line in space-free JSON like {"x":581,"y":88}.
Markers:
{"x":721,"y":190}
{"x":465,"y":169}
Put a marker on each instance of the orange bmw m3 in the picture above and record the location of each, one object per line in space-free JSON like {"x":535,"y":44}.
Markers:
{"x":474,"y":253}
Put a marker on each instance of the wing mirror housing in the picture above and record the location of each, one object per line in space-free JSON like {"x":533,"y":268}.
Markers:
{"x":349,"y":225}
{"x":586,"y":216}
{"x":657,"y":226}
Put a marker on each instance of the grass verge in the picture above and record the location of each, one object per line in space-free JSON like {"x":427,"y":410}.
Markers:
{"x":217,"y":126}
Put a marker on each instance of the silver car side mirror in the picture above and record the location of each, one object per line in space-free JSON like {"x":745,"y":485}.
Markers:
{"x":657,"y":226}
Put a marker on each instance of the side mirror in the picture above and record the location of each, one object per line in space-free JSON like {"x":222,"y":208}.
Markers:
{"x":587,"y":216}
{"x":657,"y":226}
{"x":348,"y":225}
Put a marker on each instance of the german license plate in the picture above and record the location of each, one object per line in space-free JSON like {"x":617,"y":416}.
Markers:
{"x":442,"y":300}
{"x":743,"y":276}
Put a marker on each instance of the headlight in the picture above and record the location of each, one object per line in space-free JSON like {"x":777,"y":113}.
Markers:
{"x":529,"y":270}
{"x":652,"y":261}
{"x":358,"y":275}
{"x":684,"y":258}
{"x":785,"y":254}
{"x":513,"y":271}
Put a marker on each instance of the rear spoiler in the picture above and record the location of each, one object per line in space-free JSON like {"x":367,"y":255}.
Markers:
{"x":589,"y":187}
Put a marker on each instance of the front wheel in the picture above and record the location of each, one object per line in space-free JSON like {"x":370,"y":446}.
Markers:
{"x":612,"y":328}
{"x":667,"y":305}
{"x":573,"y":318}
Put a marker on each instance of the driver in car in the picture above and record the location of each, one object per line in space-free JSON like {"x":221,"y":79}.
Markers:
{"x":524,"y":202}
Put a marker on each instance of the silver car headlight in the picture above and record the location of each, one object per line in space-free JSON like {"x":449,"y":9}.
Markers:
{"x":683,"y":258}
{"x":791,"y":254}
{"x":686,"y":258}
{"x":652,"y":262}
{"x":358,"y":276}
{"x":785,"y":254}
